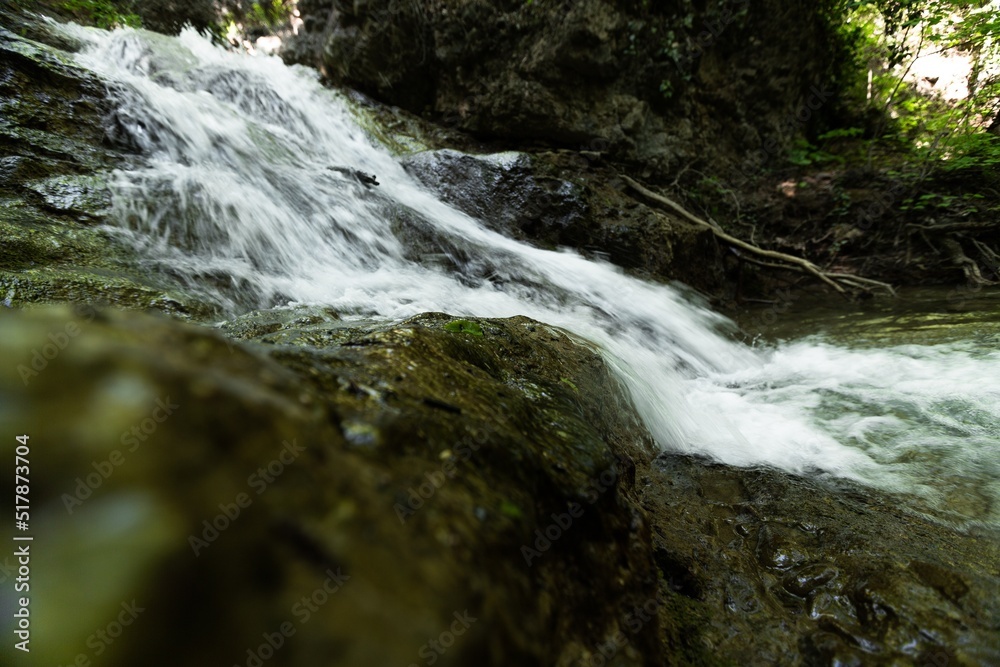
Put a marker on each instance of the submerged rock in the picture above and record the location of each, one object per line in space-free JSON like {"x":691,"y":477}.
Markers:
{"x":803,"y":572}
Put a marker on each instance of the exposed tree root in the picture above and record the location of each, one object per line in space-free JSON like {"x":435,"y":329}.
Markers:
{"x":969,"y":267}
{"x":835,"y":280}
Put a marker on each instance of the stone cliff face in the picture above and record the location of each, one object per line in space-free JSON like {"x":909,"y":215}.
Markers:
{"x":661,"y":84}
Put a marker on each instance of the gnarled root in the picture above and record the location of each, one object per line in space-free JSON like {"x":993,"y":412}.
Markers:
{"x":969,"y":267}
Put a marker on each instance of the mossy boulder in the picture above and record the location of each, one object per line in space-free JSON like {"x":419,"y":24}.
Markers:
{"x":662,"y":84}
{"x":413,"y":461}
{"x":404,"y":477}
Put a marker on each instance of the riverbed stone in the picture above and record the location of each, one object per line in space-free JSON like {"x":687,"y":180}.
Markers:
{"x":802,"y":571}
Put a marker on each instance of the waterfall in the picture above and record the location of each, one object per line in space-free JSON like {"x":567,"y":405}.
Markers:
{"x":235,"y":196}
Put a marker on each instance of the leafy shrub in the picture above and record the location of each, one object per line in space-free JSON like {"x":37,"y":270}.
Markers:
{"x":100,"y":13}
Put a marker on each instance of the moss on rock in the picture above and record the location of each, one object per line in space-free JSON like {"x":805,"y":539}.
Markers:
{"x":54,"y":191}
{"x":416,"y":445}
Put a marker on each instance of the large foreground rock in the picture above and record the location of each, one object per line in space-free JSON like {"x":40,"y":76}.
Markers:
{"x":416,"y":461}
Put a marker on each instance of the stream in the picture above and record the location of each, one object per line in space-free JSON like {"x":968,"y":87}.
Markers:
{"x":235,"y":196}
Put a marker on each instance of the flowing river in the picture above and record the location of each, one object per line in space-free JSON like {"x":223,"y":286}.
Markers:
{"x":234,"y":195}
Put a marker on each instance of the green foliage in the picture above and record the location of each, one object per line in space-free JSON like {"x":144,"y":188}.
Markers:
{"x":933,"y":200}
{"x":100,"y":13}
{"x":929,"y":200}
{"x":973,"y":151}
{"x":841,"y":133}
{"x":804,"y":154}
{"x":464,"y":326}
{"x":510,"y":510}
{"x":843,"y":203}
{"x":270,"y":13}
{"x":885,"y":38}
{"x":240,"y":19}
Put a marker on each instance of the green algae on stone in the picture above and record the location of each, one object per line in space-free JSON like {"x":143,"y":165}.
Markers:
{"x":464,"y":326}
{"x":33,"y":239}
{"x":511,"y":510}
{"x":54,"y":187}
{"x":569,"y":383}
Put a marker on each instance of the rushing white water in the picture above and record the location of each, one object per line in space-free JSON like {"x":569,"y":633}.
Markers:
{"x":235,"y":196}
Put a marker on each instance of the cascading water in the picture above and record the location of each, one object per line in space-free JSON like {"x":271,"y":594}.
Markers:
{"x":236,"y":197}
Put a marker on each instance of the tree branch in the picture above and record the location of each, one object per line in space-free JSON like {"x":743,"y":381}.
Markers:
{"x":830,"y":279}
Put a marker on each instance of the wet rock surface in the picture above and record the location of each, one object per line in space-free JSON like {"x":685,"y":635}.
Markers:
{"x":169,"y":16}
{"x":797,"y":571}
{"x":662,"y":84}
{"x":54,"y":185}
{"x":423,"y":459}
{"x":564,"y":199}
